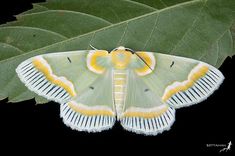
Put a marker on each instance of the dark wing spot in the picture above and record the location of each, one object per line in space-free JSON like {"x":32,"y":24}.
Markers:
{"x":146,"y":90}
{"x":69,"y":59}
{"x":172,"y":64}
{"x":34,"y":35}
{"x":91,"y":87}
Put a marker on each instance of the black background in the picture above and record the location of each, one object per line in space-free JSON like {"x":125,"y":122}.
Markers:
{"x":39,"y":127}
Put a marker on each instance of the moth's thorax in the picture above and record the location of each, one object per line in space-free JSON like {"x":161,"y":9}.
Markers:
{"x":142,"y":63}
{"x":121,"y":58}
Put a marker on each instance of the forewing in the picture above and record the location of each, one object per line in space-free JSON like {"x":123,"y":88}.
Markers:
{"x":57,"y":76}
{"x":180,"y":81}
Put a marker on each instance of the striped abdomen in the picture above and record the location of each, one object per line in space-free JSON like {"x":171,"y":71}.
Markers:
{"x":119,"y":90}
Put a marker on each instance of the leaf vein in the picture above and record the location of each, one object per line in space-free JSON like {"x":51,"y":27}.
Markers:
{"x":90,"y":42}
{"x":152,"y":31}
{"x":34,"y":28}
{"x":123,"y":35}
{"x":12,"y":46}
{"x":140,"y":4}
{"x":189,"y":28}
{"x":163,"y":3}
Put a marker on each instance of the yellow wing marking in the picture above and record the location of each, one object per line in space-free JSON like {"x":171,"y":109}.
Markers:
{"x":145,"y":113}
{"x":90,"y":111}
{"x":92,"y":61}
{"x":149,"y":59}
{"x":41,"y":65}
{"x":197,"y":72}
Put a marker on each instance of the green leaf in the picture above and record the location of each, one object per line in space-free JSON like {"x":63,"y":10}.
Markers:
{"x":113,"y":11}
{"x":160,"y":4}
{"x":36,"y":8}
{"x":68,"y":23}
{"x":28,"y":38}
{"x":199,"y":29}
{"x":8,"y":51}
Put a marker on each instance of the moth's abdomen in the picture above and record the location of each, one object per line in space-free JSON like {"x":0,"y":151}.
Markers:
{"x":119,"y":90}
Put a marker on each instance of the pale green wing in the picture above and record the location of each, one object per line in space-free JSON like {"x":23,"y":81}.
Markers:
{"x":82,"y":86}
{"x":143,"y":111}
{"x":167,"y":82}
{"x":57,"y":76}
{"x":180,"y":81}
{"x":93,"y":109}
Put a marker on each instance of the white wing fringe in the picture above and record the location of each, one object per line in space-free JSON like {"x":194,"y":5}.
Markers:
{"x":150,"y":126}
{"x":80,"y":122}
{"x":35,"y":81}
{"x":200,"y":91}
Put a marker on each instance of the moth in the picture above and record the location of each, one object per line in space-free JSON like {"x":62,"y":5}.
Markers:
{"x":139,"y":89}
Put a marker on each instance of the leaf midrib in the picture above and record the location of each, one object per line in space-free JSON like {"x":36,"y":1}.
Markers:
{"x":115,"y":24}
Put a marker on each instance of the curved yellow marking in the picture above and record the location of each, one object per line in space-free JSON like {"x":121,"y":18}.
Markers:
{"x":192,"y":78}
{"x":92,"y":61}
{"x":121,"y":58}
{"x":148,"y":60}
{"x":45,"y":69}
{"x":90,"y":111}
{"x":146,"y":114}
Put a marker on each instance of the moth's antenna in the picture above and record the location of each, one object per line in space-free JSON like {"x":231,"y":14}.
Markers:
{"x":143,"y":60}
{"x":133,"y":52}
{"x":93,"y":47}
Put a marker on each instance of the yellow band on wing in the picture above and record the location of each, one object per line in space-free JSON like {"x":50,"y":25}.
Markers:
{"x":90,"y":111}
{"x":41,"y":65}
{"x":92,"y":63}
{"x":148,"y":64}
{"x":145,"y":113}
{"x":199,"y":71}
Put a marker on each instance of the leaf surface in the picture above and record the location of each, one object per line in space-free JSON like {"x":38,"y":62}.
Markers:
{"x":199,"y":29}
